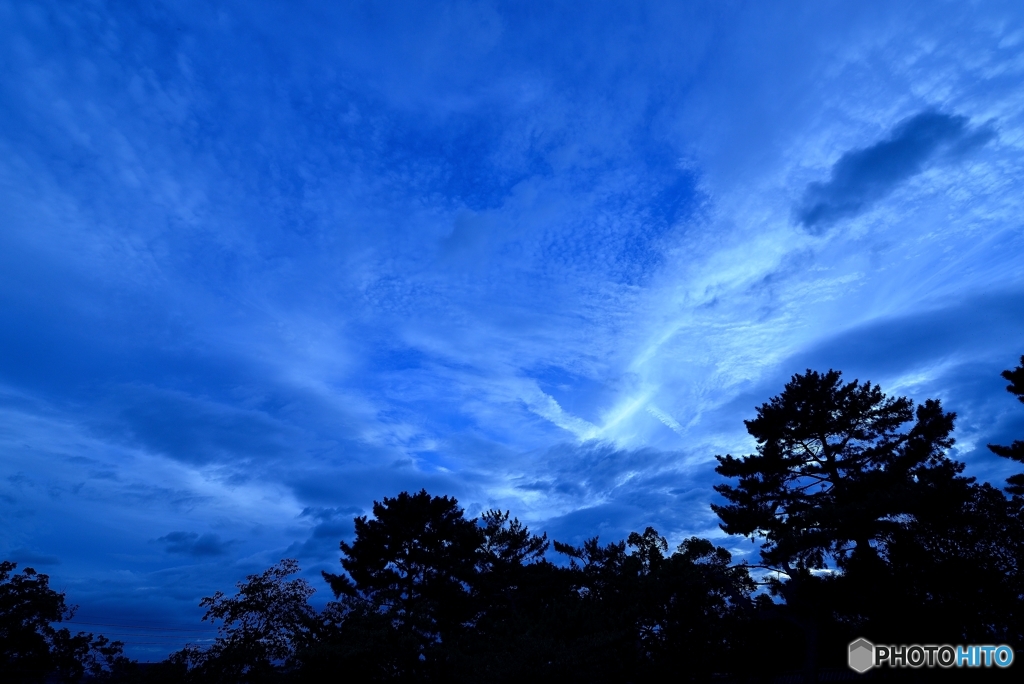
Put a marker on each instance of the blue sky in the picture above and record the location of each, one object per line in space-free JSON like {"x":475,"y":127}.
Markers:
{"x":263,"y":263}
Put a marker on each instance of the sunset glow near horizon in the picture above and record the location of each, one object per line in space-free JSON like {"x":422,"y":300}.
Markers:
{"x":265,"y":263}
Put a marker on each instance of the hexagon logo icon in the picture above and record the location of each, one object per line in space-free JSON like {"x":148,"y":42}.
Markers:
{"x":862,"y":655}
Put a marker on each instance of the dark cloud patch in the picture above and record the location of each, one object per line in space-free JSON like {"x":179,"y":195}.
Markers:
{"x":676,"y":200}
{"x":986,"y":414}
{"x":640,"y":249}
{"x":578,"y":394}
{"x":609,"y":522}
{"x":322,"y":514}
{"x":332,"y":525}
{"x":327,"y":487}
{"x":595,"y":467}
{"x":961,"y":348}
{"x":198,"y":431}
{"x":863,"y":177}
{"x":534,"y":486}
{"x":194,"y":544}
{"x":472,"y":236}
{"x":636,"y":507}
{"x":30,"y":558}
{"x":986,"y":325}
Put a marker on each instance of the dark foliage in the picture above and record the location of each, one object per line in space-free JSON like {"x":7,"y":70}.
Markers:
{"x":833,"y":472}
{"x":432,"y":596}
{"x":869,"y":528}
{"x":414,"y":565}
{"x":262,"y":626}
{"x":31,"y":649}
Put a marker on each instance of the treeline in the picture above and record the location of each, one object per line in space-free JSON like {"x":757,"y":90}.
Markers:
{"x":866,"y":529}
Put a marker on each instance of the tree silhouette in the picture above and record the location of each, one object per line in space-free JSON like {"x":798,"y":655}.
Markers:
{"x":833,"y":470}
{"x":1015,"y":451}
{"x":837,"y":476}
{"x":31,"y":648}
{"x":508,"y":544}
{"x":262,"y":626}
{"x":952,"y":575}
{"x":414,"y":563}
{"x":700,"y":610}
{"x":519,"y":607}
{"x":431,"y":595}
{"x":647,"y":614}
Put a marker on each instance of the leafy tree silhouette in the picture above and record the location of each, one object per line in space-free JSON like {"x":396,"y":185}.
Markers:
{"x":263,"y":625}
{"x":951,"y":575}
{"x":517,"y":602}
{"x":696,"y":608}
{"x":32,"y":649}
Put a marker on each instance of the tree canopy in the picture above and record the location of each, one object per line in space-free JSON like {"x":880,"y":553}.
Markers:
{"x":836,"y":467}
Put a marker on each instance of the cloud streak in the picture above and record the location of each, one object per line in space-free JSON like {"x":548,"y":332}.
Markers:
{"x":194,"y":544}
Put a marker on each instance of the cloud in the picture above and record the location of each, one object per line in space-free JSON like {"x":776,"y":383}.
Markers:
{"x":197,"y":430}
{"x":194,"y":544}
{"x":886,"y":350}
{"x":978,"y":326}
{"x":580,"y":490}
{"x":332,"y":525}
{"x":28,"y":557}
{"x":864,"y":176}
